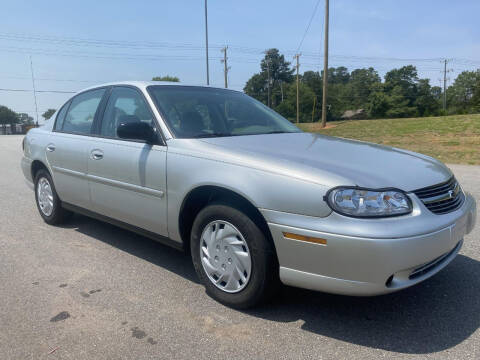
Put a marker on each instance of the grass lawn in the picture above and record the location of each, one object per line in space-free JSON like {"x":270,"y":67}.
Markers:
{"x":451,"y":139}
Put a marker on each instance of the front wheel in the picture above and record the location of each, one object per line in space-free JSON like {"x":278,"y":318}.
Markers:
{"x":232,"y":257}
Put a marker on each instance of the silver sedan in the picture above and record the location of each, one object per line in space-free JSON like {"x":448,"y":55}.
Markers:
{"x":256,"y":201}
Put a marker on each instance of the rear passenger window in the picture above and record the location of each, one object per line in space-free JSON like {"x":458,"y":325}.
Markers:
{"x":61,"y":117}
{"x":82,"y":111}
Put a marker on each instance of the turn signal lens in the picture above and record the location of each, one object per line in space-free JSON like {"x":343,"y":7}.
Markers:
{"x":305,"y":238}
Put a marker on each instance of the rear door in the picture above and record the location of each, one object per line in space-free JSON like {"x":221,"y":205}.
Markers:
{"x":67,"y":151}
{"x":127,"y":178}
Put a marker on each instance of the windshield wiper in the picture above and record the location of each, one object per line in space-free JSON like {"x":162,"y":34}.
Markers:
{"x":276,"y":132}
{"x":211,"y":135}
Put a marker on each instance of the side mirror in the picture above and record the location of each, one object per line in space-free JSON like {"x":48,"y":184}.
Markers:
{"x":137,"y":131}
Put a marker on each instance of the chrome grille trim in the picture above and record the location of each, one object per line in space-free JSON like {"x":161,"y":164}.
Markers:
{"x":442,"y":198}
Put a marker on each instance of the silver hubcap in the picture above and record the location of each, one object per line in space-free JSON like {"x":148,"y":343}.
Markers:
{"x":225,"y":256}
{"x":45,"y":196}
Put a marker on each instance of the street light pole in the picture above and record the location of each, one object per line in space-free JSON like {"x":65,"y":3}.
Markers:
{"x":206,"y":41}
{"x":298,"y":96}
{"x":34,"y":91}
{"x":325,"y":70}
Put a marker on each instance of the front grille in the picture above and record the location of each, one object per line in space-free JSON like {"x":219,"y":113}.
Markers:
{"x":442,"y":198}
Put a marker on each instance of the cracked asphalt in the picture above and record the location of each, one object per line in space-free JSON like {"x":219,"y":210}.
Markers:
{"x":89,"y":290}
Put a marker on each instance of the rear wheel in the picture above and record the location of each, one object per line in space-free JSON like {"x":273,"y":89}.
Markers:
{"x":232,"y":257}
{"x":48,"y":202}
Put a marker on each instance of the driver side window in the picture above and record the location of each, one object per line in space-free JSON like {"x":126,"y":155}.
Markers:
{"x":125,"y":105}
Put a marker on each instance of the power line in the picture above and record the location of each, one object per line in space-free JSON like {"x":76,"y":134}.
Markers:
{"x":252,"y":60}
{"x":52,"y":79}
{"x":99,"y":43}
{"x":39,"y":91}
{"x":119,"y":56}
{"x":153,"y":57}
{"x":308,"y":27}
{"x":84,"y":42}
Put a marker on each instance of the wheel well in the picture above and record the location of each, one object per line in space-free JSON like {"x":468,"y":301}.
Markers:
{"x":200,"y":197}
{"x":37,"y":165}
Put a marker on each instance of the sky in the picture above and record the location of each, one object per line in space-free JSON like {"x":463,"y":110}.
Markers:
{"x":77,"y":44}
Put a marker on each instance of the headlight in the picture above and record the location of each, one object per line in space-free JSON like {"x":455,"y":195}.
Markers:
{"x":358,"y":202}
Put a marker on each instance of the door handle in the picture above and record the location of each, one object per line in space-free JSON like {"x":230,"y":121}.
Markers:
{"x":96,"y":154}
{"x":50,"y":147}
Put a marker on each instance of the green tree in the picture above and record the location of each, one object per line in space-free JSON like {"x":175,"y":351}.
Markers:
{"x":399,"y":105}
{"x":48,"y":114}
{"x":378,"y":103}
{"x":25,"y":119}
{"x":401,"y":94}
{"x":426,"y":102}
{"x":476,"y":95}
{"x":256,"y":87}
{"x":166,"y":78}
{"x":339,"y":75}
{"x":7,"y":116}
{"x":405,"y":77}
{"x":362,"y":83}
{"x":461,"y":93}
{"x":401,"y":86}
{"x":437,"y":93}
{"x":274,"y":68}
{"x":288,"y":108}
{"x":313,"y":80}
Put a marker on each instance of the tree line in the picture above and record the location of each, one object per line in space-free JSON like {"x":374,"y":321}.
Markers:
{"x":359,"y":93}
{"x":10,"y":117}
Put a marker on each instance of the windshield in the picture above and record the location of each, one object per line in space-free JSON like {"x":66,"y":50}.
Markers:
{"x":195,"y":112}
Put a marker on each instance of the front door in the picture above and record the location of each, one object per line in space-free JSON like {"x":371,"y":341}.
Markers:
{"x":127,"y":178}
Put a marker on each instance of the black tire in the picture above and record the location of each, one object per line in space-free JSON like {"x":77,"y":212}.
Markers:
{"x":59,"y":215}
{"x":263,"y":282}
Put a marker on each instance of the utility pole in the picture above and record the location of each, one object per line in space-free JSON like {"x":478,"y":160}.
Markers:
{"x":325,"y":69}
{"x":225,"y":67}
{"x":313,"y":109}
{"x":267,"y":60}
{"x":297,"y":56}
{"x":206,"y":41}
{"x":34,"y":91}
{"x":281,"y":88}
{"x":445,"y":85}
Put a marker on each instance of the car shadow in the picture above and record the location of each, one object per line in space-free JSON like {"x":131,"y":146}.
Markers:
{"x":147,"y":249}
{"x":429,"y":317}
{"x":432,"y":316}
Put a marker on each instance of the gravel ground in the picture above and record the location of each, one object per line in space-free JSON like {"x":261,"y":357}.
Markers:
{"x":89,"y":290}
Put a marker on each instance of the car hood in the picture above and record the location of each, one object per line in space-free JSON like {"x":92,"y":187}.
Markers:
{"x":334,"y":161}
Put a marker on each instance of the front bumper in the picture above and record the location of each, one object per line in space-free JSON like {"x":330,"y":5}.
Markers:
{"x":393,"y":258}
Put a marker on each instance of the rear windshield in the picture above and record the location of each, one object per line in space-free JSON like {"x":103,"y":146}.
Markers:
{"x":195,"y":112}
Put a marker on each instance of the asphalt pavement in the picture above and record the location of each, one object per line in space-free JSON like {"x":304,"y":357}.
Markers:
{"x":89,"y":290}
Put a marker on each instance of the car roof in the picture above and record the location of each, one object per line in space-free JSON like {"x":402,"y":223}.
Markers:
{"x":145,"y":84}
